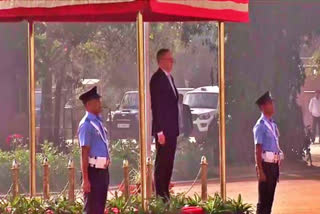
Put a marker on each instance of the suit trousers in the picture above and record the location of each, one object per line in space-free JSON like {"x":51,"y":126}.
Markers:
{"x":267,"y":188}
{"x":95,"y":200}
{"x":164,"y":166}
{"x":315,"y":126}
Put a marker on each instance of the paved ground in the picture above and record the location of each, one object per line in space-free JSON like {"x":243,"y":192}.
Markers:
{"x":297,"y":193}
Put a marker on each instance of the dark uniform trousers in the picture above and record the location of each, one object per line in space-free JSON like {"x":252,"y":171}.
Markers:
{"x":267,"y":188}
{"x":95,"y":200}
{"x":164,"y":166}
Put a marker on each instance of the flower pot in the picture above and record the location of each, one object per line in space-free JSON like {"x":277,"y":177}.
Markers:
{"x":192,"y":210}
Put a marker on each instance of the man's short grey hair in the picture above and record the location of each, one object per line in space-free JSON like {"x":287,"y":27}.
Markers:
{"x":161,"y":53}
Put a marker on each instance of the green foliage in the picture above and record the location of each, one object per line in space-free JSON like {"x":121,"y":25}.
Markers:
{"x":21,"y":205}
{"x":123,"y":150}
{"x":57,"y":161}
{"x":214,"y":205}
{"x":193,"y":201}
{"x":187,"y":159}
{"x":157,"y":205}
{"x":259,"y":59}
{"x":186,"y":167}
{"x":61,"y":205}
{"x":237,"y":206}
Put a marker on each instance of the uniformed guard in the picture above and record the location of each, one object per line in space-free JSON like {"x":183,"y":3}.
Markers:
{"x":95,"y":157}
{"x":267,"y":153}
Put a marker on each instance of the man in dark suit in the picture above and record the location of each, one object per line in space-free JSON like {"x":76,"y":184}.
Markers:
{"x":165,"y":126}
{"x":185,"y":118}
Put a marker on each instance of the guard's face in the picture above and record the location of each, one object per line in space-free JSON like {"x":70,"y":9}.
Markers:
{"x":166,"y":62}
{"x":94,"y":106}
{"x":268,"y":108}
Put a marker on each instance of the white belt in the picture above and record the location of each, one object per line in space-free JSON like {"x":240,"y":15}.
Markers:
{"x":271,"y":157}
{"x":98,"y":162}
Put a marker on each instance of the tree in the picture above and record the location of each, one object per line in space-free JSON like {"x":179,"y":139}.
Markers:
{"x":264,"y":55}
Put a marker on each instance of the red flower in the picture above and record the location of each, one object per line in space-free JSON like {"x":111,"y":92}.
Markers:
{"x":114,"y":210}
{"x":8,"y":209}
{"x":8,"y":139}
{"x":49,"y":212}
{"x":14,"y":138}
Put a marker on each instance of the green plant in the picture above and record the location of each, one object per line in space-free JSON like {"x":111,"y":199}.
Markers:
{"x":187,"y":159}
{"x":123,"y":150}
{"x":178,"y":201}
{"x":193,"y":201}
{"x":237,"y":206}
{"x":22,"y":205}
{"x":157,"y":205}
{"x":214,"y":205}
{"x":63,"y":206}
{"x":118,"y":204}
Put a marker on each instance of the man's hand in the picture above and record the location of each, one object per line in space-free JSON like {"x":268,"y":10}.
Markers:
{"x":161,"y":139}
{"x":86,"y":187}
{"x":108,"y":163}
{"x":261,"y":176}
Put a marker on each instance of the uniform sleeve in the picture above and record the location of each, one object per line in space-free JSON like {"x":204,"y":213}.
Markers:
{"x":258,"y":134}
{"x":310,"y":105}
{"x":85,"y":134}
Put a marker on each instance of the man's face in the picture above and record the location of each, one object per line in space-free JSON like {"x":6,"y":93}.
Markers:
{"x":318,"y":95}
{"x":166,"y":61}
{"x":268,"y":108}
{"x":94,"y":106}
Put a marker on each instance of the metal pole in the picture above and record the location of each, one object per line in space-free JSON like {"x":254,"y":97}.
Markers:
{"x":71,"y":196}
{"x":142,"y":108}
{"x":32,"y":111}
{"x":222,"y":122}
{"x":148,"y":99}
{"x":126,"y":179}
{"x":149,"y":178}
{"x":15,"y":178}
{"x":204,"y":179}
{"x":46,"y":179}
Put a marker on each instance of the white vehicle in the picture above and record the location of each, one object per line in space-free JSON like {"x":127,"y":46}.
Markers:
{"x":183,"y":91}
{"x":203,"y":103}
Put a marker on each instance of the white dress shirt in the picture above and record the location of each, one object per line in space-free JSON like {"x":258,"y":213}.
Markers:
{"x":314,"y":107}
{"x":180,"y":107}
{"x":170,"y":80}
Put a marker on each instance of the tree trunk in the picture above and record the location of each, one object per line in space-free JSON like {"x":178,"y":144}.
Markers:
{"x":57,"y":107}
{"x":46,"y":112}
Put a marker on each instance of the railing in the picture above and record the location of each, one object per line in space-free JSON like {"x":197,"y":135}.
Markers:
{"x":125,"y":184}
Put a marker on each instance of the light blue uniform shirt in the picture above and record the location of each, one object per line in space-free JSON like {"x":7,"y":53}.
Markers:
{"x":264,"y":136}
{"x":93,"y":134}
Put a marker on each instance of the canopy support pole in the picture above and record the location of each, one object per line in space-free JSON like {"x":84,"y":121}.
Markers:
{"x":32,"y":112}
{"x":147,"y":76}
{"x":222,"y":122}
{"x":142,"y":108}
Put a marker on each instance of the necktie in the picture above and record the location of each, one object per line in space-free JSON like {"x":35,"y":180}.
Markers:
{"x":172,"y":84}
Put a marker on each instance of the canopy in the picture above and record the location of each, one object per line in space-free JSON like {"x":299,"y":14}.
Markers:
{"x":123,"y":10}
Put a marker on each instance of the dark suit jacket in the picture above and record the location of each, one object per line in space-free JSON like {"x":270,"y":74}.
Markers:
{"x":187,"y":121}
{"x":164,"y":105}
